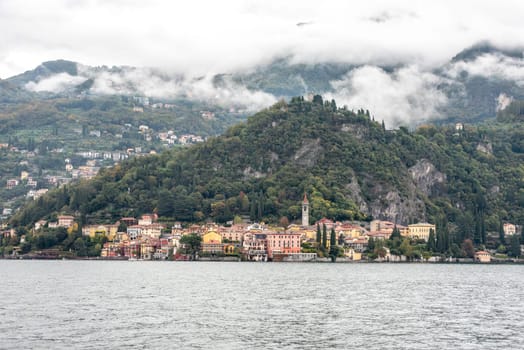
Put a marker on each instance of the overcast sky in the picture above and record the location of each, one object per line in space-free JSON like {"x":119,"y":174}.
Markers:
{"x":209,"y":36}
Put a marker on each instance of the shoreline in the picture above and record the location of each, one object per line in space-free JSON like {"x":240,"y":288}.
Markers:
{"x":499,"y":262}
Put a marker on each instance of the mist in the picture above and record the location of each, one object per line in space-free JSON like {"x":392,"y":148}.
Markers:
{"x":405,"y":97}
{"x":153,"y":83}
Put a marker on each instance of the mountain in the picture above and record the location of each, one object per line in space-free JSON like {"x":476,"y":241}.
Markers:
{"x":466,"y":88}
{"x":349,"y":166}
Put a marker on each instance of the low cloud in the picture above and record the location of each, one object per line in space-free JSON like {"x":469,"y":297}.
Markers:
{"x":503,"y":101}
{"x":407,"y":96}
{"x":152,"y":83}
{"x":491,"y":66}
{"x":56,"y":83}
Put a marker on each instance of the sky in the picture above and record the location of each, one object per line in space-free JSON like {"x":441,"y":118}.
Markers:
{"x":206,"y":36}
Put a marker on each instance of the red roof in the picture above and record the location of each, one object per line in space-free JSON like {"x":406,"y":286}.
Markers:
{"x":305,"y":201}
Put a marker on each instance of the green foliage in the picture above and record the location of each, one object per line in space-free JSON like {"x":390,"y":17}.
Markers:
{"x":514,"y":249}
{"x":260,"y":169}
{"x":191,"y":243}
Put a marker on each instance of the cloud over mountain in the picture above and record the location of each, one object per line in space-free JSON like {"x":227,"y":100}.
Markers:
{"x":407,"y":96}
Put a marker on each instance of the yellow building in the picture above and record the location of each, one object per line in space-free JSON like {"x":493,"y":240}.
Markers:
{"x":352,"y":254}
{"x":212,"y":242}
{"x":421,"y":230}
{"x":98,"y":230}
{"x":211,"y":237}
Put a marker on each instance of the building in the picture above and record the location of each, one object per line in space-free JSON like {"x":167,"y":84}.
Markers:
{"x":283,"y":243}
{"x":420,"y":230}
{"x":66,"y":221}
{"x":509,"y":229}
{"x":482,"y":256}
{"x":254,"y":246}
{"x":212,"y":243}
{"x":305,"y":211}
{"x":11,"y":183}
{"x":100,"y":230}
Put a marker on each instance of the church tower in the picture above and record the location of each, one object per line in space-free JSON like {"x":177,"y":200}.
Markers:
{"x":305,"y":211}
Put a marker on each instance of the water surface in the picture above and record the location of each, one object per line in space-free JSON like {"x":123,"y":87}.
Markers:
{"x":146,"y":305}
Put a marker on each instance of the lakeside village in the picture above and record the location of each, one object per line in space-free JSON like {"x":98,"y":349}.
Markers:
{"x":326,"y":240}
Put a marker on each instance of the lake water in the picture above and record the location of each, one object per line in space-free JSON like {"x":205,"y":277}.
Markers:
{"x":184,"y":305}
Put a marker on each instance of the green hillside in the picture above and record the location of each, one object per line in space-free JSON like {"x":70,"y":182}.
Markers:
{"x":349,"y":165}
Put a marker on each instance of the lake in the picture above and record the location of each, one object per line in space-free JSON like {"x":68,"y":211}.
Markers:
{"x":187,"y":305}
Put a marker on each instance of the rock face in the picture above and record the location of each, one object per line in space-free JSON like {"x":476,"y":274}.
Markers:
{"x":426,"y":177}
{"x":356,"y":195}
{"x":308,"y":154}
{"x":486,"y":148}
{"x":250,"y":173}
{"x":391,"y":206}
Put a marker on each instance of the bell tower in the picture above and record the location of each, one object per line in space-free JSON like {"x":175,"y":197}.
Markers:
{"x":305,"y":211}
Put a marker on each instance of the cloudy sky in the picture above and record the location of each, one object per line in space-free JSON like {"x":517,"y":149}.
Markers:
{"x":206,"y":36}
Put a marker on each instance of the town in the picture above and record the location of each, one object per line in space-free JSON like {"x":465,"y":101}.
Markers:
{"x":325,"y":240}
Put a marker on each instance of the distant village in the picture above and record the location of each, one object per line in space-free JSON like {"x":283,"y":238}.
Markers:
{"x":147,"y":239}
{"x":36,"y":185}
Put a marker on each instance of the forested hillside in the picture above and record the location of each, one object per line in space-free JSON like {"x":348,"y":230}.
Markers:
{"x":348,"y":164}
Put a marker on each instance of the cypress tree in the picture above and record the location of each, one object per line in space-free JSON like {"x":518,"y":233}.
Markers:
{"x":515,"y":246}
{"x":319,"y":235}
{"x":333,"y":238}
{"x":324,"y":236}
{"x":395,"y":233}
{"x":502,"y":235}
{"x":431,"y":245}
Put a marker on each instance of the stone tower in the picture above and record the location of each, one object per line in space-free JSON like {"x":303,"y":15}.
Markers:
{"x":305,"y":211}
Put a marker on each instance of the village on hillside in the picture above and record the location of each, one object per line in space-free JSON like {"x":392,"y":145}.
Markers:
{"x":147,"y":239}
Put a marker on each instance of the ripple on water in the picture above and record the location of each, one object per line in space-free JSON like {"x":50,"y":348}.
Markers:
{"x":95,"y":305}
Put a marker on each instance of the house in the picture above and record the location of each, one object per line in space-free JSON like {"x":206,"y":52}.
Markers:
{"x":39,"y":224}
{"x":254,"y":246}
{"x":352,"y":254}
{"x":509,"y":229}
{"x":212,"y":242}
{"x":66,"y":221}
{"x":100,"y":230}
{"x":482,"y":256}
{"x":11,"y":183}
{"x":421,"y":230}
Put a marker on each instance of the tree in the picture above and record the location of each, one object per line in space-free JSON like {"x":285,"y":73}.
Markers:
{"x":80,"y":247}
{"x":332,"y":238}
{"x":284,"y":222}
{"x":192,"y":243}
{"x":467,"y":247}
{"x":502,"y":235}
{"x":514,"y":249}
{"x":395,"y":233}
{"x":324,"y":236}
{"x":371,"y":244}
{"x":406,"y":249}
{"x":431,"y":245}
{"x":319,"y":235}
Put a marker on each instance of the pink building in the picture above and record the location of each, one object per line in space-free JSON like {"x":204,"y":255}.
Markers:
{"x":283,"y":243}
